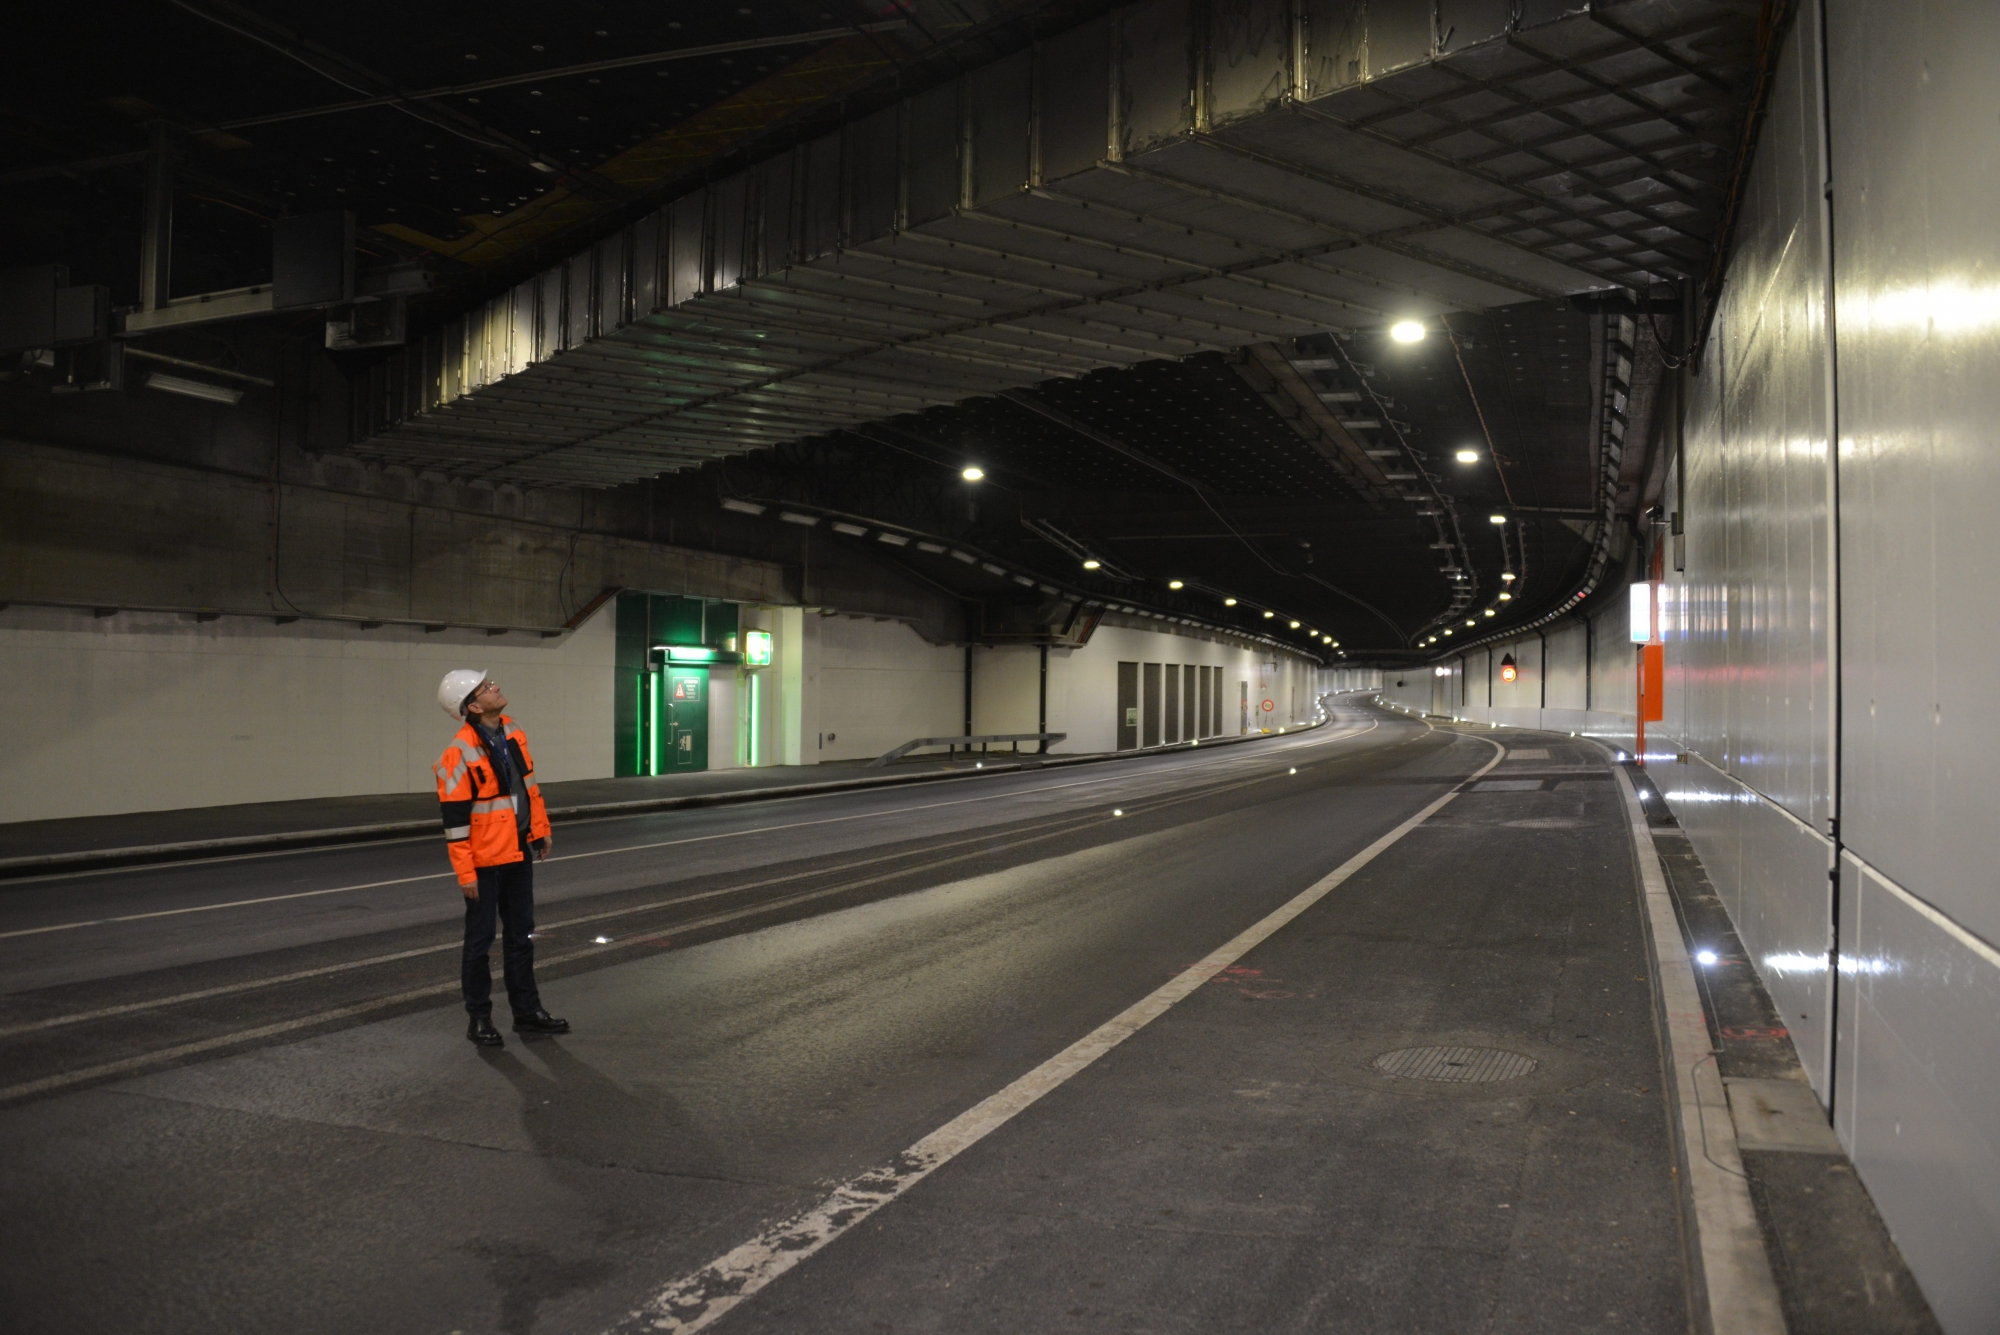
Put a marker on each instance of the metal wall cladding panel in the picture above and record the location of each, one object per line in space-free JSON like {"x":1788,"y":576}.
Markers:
{"x":1919,"y":1061}
{"x":611,"y":287}
{"x":1771,"y":874}
{"x":729,"y":221}
{"x":1399,"y":34}
{"x":933,"y":177}
{"x":1917,"y":190}
{"x":777,"y":213}
{"x":1073,"y":101}
{"x":548,"y":313}
{"x":579,"y":303}
{"x":1249,"y":57}
{"x":870,"y":161}
{"x":451,"y":361}
{"x":1155,"y":74}
{"x":1569,"y":658}
{"x":687,"y":248}
{"x":1336,"y":45}
{"x":521,"y":341}
{"x":1463,"y":23}
{"x":1750,"y":633}
{"x":819,"y":200}
{"x":1000,"y":103}
{"x":646,"y":267}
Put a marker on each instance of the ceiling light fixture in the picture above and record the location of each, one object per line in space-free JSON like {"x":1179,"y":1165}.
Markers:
{"x":1506,"y":577}
{"x":1506,"y":597}
{"x":1269,"y":615}
{"x":1496,"y":519}
{"x":1487,"y":613}
{"x":1091,"y":564}
{"x":1173,"y":584}
{"x":1407,"y":331}
{"x":1295,"y":625}
{"x":1468,"y":456}
{"x":1229,"y":602}
{"x":972,"y":473}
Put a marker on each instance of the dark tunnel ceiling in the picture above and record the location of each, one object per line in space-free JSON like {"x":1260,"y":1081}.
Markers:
{"x":1241,"y":502}
{"x":1273,"y":524}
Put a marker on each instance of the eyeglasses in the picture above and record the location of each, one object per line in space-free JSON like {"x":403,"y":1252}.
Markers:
{"x":484,"y":687}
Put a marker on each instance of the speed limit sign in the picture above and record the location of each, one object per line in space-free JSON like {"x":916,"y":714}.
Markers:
{"x":1269,"y":706}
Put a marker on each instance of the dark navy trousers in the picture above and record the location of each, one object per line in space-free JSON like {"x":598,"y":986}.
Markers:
{"x":506,"y":904}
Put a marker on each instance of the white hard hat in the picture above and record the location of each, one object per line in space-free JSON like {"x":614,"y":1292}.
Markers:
{"x":456,"y":688}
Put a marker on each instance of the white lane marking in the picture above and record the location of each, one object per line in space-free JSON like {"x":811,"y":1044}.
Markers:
{"x":228,"y":989}
{"x":1277,"y":743}
{"x":696,"y":1301}
{"x":1236,"y":762}
{"x":141,"y":1061}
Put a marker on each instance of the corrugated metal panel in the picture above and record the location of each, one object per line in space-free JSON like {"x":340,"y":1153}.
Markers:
{"x":1336,"y":44}
{"x":1000,"y":103}
{"x":1268,"y":224}
{"x":1155,"y":99}
{"x":1073,"y":113}
{"x":871,"y":156}
{"x":687,"y":257}
{"x":1249,"y":58}
{"x":934,"y":175}
{"x":776,"y":213}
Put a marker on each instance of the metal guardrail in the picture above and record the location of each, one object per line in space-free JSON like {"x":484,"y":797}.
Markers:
{"x":968,"y":743}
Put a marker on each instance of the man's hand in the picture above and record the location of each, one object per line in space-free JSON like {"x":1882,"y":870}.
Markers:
{"x":542,"y":846}
{"x":470,"y":889}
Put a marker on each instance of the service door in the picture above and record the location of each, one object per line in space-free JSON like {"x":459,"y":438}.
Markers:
{"x":1149,"y":706}
{"x":1206,"y":722}
{"x":687,"y":720}
{"x":1128,"y":706}
{"x":1171,"y":714}
{"x":1189,"y":699}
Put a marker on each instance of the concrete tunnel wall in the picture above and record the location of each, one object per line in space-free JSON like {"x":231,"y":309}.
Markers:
{"x":243,"y":710}
{"x":1826,"y":640}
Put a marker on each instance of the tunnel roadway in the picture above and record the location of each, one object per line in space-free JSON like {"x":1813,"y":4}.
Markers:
{"x":237,"y":1095}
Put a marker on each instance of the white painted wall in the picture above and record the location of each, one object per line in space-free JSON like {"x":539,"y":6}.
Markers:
{"x":242,"y":710}
{"x":879,"y":684}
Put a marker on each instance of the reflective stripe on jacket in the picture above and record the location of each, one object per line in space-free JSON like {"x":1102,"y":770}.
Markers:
{"x":479,"y":826}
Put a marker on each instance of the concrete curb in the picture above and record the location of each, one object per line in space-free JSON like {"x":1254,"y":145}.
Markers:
{"x":157,"y":854}
{"x":1731,"y":1290}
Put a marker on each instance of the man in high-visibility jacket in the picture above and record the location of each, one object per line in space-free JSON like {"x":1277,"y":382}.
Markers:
{"x":493,"y":818}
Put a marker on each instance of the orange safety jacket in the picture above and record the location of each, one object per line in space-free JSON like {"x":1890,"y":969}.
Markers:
{"x":479,"y":826}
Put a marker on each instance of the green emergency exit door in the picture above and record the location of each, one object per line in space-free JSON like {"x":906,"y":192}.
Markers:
{"x":684,"y":733}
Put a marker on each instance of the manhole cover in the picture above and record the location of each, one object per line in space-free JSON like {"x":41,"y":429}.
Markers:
{"x":1456,"y":1065}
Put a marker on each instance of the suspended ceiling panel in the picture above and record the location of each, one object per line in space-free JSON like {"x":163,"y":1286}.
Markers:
{"x":1131,"y":190}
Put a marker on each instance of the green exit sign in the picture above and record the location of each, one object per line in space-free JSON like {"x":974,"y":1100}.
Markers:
{"x":757,"y":648}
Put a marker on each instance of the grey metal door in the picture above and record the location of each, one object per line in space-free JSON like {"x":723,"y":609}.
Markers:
{"x":1149,"y":706}
{"x":1188,"y":698}
{"x":1206,"y":719}
{"x":1128,"y":706}
{"x":1170,"y":716}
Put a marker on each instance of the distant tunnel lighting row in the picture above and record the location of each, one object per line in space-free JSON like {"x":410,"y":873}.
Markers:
{"x":849,"y":528}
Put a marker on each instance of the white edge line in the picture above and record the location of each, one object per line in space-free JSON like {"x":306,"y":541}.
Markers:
{"x":698,"y":1300}
{"x":591,"y":813}
{"x":1731,"y":1281}
{"x":253,"y":984}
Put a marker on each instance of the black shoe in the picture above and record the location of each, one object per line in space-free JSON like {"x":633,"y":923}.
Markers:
{"x":540,"y":1022}
{"x":482,"y":1032}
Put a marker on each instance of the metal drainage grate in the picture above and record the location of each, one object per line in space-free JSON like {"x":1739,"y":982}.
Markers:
{"x":1456,"y":1065}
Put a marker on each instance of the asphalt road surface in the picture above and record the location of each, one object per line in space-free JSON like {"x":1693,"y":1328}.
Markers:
{"x":1090,"y":1048}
